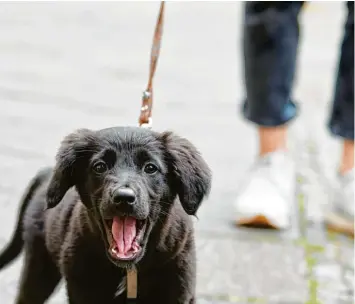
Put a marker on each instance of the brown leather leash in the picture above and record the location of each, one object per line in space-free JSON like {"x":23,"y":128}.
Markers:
{"x":145,"y":118}
{"x":145,"y":121}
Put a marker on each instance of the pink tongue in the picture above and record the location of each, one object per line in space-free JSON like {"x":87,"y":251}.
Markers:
{"x":124,"y":232}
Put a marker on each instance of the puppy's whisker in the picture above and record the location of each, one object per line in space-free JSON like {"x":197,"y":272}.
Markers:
{"x":161,"y":211}
{"x":162,"y":202}
{"x":87,"y":150}
{"x":159,"y":220}
{"x":98,"y":190}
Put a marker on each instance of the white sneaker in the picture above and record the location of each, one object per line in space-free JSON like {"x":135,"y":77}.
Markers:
{"x":266,"y":196}
{"x":341,"y":216}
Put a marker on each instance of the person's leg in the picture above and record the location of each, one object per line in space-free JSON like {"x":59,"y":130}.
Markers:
{"x":347,"y":157}
{"x":271,"y":34}
{"x":342,"y":118}
{"x":272,"y":139}
{"x":342,"y":124}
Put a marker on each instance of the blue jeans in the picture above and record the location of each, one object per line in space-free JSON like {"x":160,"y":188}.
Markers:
{"x":270,"y":41}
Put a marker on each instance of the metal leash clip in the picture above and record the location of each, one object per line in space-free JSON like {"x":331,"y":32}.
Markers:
{"x":147,"y":125}
{"x":146,"y":96}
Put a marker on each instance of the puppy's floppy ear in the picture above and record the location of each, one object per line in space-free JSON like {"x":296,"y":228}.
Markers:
{"x":192,"y":176}
{"x":70,"y":156}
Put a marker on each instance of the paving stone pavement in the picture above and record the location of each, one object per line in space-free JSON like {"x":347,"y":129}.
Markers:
{"x":71,"y":65}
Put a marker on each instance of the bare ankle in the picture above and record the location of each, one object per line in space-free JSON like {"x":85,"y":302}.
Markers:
{"x":347,"y":158}
{"x":272,"y":139}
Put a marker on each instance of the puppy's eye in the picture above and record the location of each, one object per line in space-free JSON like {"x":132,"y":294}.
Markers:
{"x":100,"y":167}
{"x":150,"y":168}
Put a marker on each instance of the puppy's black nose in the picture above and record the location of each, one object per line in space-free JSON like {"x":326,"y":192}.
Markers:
{"x":124,"y":195}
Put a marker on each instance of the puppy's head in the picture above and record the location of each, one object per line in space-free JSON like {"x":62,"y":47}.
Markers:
{"x":128,"y":179}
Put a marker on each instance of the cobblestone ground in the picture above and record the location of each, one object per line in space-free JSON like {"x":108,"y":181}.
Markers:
{"x":70,"y":65}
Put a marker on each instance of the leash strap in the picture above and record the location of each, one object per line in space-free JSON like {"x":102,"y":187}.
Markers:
{"x":145,"y":118}
{"x":145,"y":121}
{"x":132,"y":288}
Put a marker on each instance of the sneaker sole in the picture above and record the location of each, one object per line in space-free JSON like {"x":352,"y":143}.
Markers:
{"x":338,"y":224}
{"x":258,"y":221}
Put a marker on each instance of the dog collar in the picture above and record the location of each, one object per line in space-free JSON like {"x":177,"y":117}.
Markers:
{"x":132,"y":287}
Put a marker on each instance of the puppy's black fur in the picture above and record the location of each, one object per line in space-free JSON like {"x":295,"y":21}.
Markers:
{"x":63,"y":224}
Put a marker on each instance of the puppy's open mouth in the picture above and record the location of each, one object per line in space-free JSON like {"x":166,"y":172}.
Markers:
{"x":124,"y":234}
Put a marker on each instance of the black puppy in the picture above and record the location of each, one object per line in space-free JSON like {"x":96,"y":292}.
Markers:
{"x":134,"y":190}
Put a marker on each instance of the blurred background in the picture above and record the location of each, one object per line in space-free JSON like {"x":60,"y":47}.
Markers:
{"x":71,"y":65}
